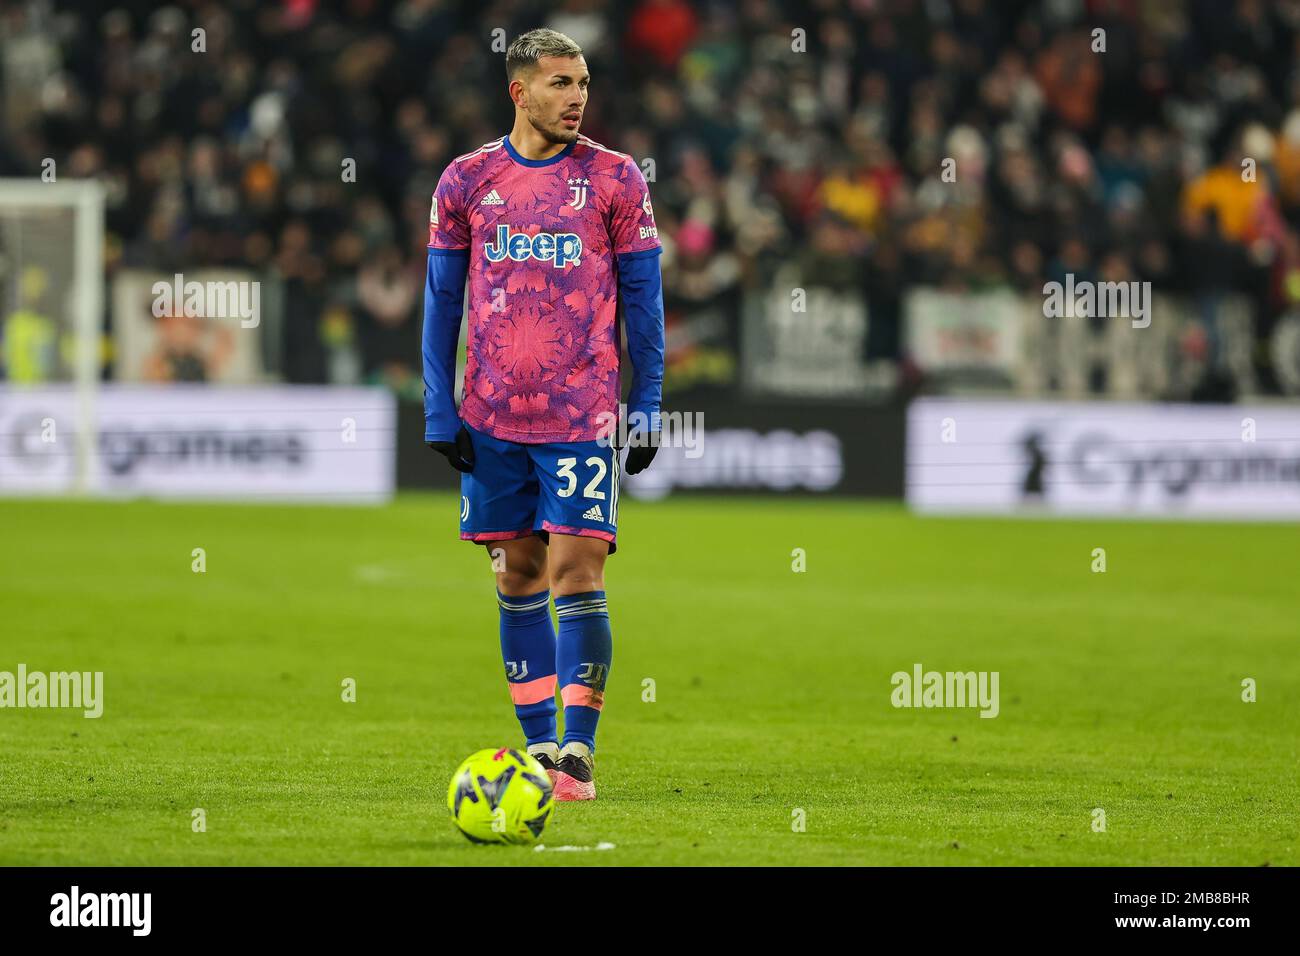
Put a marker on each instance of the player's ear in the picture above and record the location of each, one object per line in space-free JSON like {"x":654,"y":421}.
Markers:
{"x":519,"y":96}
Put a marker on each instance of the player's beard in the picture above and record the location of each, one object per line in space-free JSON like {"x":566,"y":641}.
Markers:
{"x":558,"y":134}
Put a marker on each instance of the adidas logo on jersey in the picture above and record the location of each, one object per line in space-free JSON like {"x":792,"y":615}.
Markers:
{"x":492,"y":199}
{"x":594,"y":514}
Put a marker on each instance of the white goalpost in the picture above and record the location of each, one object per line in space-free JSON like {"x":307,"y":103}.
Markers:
{"x":52,"y":272}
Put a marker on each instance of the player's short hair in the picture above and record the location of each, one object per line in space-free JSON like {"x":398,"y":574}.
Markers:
{"x":530,"y":47}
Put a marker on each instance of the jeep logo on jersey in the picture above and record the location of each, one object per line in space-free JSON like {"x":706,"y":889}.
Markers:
{"x":559,"y":247}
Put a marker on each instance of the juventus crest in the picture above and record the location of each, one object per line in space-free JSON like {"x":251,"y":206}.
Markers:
{"x":516,"y":672}
{"x":579,"y":189}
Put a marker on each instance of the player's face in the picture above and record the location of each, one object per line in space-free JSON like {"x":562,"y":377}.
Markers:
{"x":557,"y":97}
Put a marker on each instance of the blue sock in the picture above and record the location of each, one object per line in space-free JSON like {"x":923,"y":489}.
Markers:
{"x":528,"y":649}
{"x":583,"y":655}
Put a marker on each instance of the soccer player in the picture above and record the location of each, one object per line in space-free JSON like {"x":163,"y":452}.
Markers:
{"x":553,"y":231}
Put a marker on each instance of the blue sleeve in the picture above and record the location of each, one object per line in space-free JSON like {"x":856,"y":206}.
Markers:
{"x":640,"y":287}
{"x":444,"y":297}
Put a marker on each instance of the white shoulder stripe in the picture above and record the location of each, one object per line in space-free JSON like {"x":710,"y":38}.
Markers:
{"x":485,"y":148}
{"x":604,"y":149}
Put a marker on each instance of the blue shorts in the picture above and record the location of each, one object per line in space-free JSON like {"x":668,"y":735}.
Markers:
{"x":517,"y":490}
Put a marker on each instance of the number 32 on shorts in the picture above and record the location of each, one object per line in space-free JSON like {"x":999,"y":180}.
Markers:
{"x":595,"y":469}
{"x":566,"y":471}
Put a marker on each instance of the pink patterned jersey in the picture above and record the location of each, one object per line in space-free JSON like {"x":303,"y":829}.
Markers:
{"x":542,"y":235}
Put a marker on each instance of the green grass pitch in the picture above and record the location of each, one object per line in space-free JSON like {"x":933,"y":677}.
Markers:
{"x":1119,"y":690}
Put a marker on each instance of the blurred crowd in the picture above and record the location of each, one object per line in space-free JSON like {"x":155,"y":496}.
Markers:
{"x":877,"y":143}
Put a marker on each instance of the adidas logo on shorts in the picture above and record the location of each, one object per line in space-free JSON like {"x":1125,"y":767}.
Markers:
{"x":594,"y":514}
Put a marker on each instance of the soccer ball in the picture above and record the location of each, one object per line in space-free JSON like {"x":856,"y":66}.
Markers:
{"x":500,"y":796}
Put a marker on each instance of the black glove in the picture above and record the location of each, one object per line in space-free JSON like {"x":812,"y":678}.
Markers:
{"x":642,"y":449}
{"x":459,"y":452}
